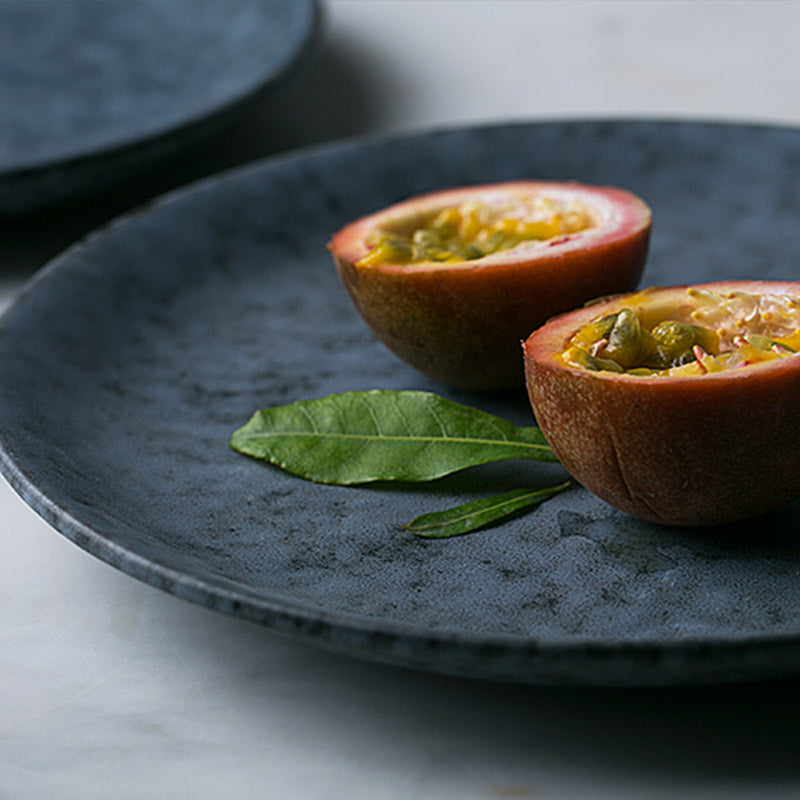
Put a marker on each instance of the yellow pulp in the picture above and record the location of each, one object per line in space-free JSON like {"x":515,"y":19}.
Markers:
{"x":473,"y":230}
{"x":704,"y":332}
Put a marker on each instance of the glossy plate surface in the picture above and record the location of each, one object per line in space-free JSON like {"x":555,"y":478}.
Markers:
{"x":95,"y":91}
{"x":128,"y":362}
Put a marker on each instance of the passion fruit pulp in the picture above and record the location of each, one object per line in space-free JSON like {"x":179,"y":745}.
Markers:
{"x":692,"y":417}
{"x":451,"y":281}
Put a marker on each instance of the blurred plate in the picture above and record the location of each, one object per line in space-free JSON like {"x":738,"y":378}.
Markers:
{"x":93,"y":92}
{"x":128,"y":362}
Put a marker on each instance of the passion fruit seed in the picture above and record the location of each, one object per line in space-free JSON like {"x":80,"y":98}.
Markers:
{"x":578,"y":357}
{"x":765,"y":343}
{"x":768,"y":328}
{"x":625,"y":340}
{"x":675,"y":343}
{"x":474,"y":230}
{"x":595,"y":335}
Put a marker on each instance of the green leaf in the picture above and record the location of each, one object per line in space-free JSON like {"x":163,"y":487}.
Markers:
{"x":478,"y":513}
{"x":383,"y":435}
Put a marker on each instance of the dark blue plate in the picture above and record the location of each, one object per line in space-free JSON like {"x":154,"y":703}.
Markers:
{"x":92,"y":92}
{"x":128,"y":362}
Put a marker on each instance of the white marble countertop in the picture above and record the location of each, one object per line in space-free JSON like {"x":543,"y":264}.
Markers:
{"x":112,"y":689}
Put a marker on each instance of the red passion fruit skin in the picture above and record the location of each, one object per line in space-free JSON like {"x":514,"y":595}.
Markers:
{"x":461,"y":323}
{"x":689,"y":450}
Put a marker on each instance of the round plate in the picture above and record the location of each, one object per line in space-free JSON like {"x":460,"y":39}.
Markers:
{"x":92,"y":92}
{"x":129,"y":361}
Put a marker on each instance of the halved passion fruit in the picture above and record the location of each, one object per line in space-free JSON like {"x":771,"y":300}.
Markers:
{"x":677,"y":405}
{"x":451,"y":281}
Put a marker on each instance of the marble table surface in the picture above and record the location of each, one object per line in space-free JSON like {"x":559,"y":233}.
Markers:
{"x":112,"y":689}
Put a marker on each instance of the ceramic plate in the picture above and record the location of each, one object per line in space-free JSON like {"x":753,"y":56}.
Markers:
{"x":95,"y":91}
{"x":128,"y":362}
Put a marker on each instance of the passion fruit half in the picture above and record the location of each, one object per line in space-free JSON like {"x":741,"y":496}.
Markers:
{"x":451,"y":281}
{"x":678,"y":405}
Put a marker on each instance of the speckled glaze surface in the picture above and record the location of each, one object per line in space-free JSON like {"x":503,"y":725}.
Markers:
{"x":128,"y":362}
{"x":94,"y":91}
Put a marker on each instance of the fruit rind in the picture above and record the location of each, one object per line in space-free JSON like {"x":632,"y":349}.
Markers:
{"x":461,"y":323}
{"x":685,"y":450}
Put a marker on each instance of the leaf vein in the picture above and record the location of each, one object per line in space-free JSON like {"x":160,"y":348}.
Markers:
{"x":397,"y":437}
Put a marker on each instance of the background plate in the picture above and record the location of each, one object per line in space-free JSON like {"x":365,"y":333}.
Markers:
{"x":128,"y":362}
{"x":95,"y":91}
